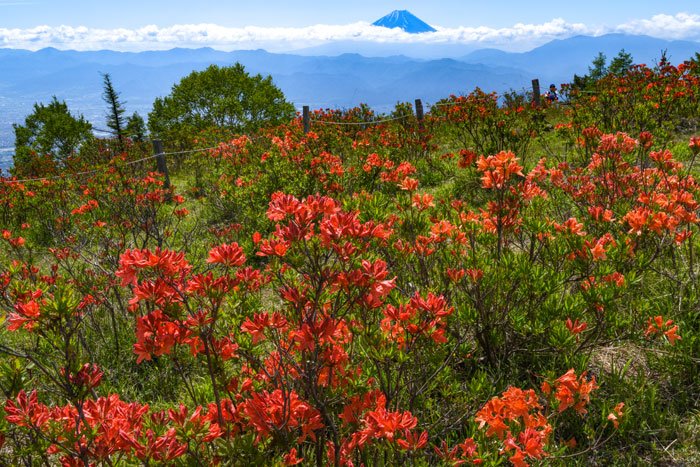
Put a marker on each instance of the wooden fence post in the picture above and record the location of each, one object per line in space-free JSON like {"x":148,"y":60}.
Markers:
{"x":160,"y":161}
{"x":306,"y":119}
{"x":536,"y":92}
{"x":419,"y":113}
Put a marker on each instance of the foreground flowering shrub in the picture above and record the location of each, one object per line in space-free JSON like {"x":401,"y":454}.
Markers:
{"x":107,"y":428}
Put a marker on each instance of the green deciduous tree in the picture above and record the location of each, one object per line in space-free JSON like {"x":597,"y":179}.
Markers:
{"x":222,"y":97}
{"x":50,"y":130}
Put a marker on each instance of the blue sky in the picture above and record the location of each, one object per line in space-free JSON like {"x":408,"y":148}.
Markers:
{"x":299,"y":13}
{"x":284,"y":24}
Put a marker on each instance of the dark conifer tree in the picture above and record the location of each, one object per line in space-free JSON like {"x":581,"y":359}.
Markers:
{"x":622,"y":62}
{"x":115,"y":119}
{"x":136,"y":128}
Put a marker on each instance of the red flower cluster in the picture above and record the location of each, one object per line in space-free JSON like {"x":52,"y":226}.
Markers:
{"x":165,"y":262}
{"x":26,"y":313}
{"x":516,"y":418}
{"x":498,"y":169}
{"x":166,"y":285}
{"x":228,"y":255}
{"x":375,"y":423}
{"x":572,"y":391}
{"x":419,"y":317}
{"x":14,"y":241}
{"x":657,"y":325}
{"x":277,"y":411}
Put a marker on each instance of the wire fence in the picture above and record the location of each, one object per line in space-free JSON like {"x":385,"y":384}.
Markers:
{"x":306,"y":119}
{"x":190,"y":151}
{"x":106,"y":166}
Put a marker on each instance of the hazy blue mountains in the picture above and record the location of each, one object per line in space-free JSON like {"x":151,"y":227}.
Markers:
{"x":319,"y":81}
{"x":560,"y":59}
{"x":333,"y":80}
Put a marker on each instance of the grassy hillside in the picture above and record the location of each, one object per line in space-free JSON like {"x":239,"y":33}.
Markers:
{"x":490,"y":285}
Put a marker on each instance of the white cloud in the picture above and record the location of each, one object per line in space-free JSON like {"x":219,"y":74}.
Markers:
{"x":555,"y":28}
{"x":679,"y":26}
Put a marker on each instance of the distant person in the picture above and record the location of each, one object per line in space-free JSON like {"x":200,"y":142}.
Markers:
{"x":552,"y":95}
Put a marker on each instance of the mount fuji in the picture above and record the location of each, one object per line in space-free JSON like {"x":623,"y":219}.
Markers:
{"x":405,"y":20}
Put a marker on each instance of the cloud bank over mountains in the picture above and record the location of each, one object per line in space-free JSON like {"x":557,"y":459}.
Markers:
{"x":515,"y":38}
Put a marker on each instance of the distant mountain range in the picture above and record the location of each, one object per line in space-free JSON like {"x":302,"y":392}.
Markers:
{"x":332,"y":80}
{"x":560,"y":59}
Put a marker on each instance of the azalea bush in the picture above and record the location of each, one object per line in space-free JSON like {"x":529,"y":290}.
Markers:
{"x":376,"y":291}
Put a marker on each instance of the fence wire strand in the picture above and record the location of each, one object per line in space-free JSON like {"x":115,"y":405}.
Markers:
{"x":372,"y":122}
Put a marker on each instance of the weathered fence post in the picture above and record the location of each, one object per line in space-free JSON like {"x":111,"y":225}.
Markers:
{"x":419,"y":113}
{"x":160,"y":161}
{"x":306,"y":119}
{"x":536,"y":92}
